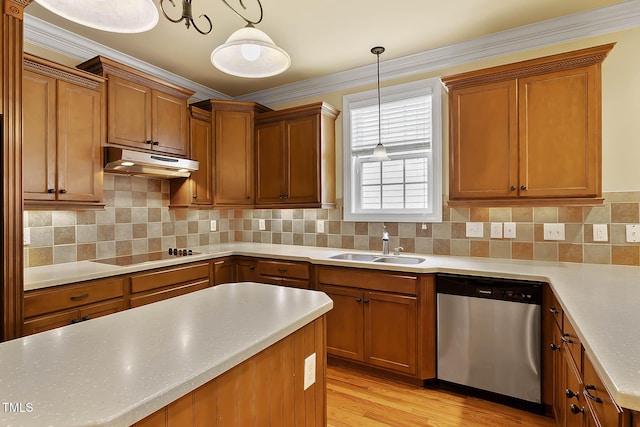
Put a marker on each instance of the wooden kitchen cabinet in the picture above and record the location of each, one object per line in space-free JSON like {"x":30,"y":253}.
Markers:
{"x":144,"y":112}
{"x":160,"y":284}
{"x":224,"y":271}
{"x":246,"y":269}
{"x":50,"y":308}
{"x":196,"y":190}
{"x":63,"y":133}
{"x":528,"y":132}
{"x":232,"y":124}
{"x":295,"y":157}
{"x":283,"y":273}
{"x":381,"y":319}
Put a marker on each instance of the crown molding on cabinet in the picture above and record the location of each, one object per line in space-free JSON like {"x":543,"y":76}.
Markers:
{"x":49,"y":36}
{"x":607,"y":19}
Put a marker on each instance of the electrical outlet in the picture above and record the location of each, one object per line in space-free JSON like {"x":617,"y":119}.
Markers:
{"x":320,"y":226}
{"x":496,"y":230}
{"x":633,"y":233}
{"x":262,"y":225}
{"x":509,"y":230}
{"x":26,"y":236}
{"x":424,"y":225}
{"x":309,"y":371}
{"x":474,"y":229}
{"x":553,"y":231}
{"x":600,"y":233}
{"x":213,"y":225}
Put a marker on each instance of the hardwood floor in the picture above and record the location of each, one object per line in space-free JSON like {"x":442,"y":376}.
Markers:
{"x":358,"y":399}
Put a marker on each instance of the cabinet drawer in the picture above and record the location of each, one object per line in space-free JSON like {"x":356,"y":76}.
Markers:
{"x":603,"y":408}
{"x":369,"y":279}
{"x":572,"y":343}
{"x":137,"y":301}
{"x":293,"y":270}
{"x":70,"y":296}
{"x":50,"y":321}
{"x":171,"y":276}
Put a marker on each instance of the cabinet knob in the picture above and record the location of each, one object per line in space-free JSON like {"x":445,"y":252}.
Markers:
{"x":63,"y":191}
{"x":554,"y":347}
{"x":366,"y":300}
{"x":252,"y":267}
{"x":85,"y":318}
{"x":195,"y":196}
{"x":156,"y":143}
{"x":51,"y":190}
{"x":523,"y":187}
{"x":358,"y":299}
{"x":571,"y":394}
{"x":575,"y":409}
{"x":148,"y":142}
{"x":513,"y":188}
{"x":74,"y":321}
{"x":248,"y":197}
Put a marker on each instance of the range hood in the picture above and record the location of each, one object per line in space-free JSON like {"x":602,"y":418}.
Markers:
{"x":120,"y":160}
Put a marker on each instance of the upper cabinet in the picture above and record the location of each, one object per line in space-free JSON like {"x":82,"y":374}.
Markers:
{"x":295,"y":157}
{"x":143,"y":111}
{"x":63,"y":133}
{"x":528,"y":132}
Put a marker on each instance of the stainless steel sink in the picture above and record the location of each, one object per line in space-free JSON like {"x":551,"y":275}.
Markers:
{"x":399,"y":259}
{"x":378,"y":258}
{"x":355,"y":257}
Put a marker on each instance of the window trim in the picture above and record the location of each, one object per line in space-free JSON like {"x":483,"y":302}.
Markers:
{"x":431,"y":86}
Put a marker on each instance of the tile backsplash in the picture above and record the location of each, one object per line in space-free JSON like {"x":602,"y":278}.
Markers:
{"x":137,"y":219}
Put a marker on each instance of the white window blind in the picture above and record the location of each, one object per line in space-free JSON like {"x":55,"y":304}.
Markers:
{"x":407,"y":187}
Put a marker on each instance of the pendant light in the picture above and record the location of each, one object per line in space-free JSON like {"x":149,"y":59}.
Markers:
{"x":117,"y":16}
{"x":379,"y":152}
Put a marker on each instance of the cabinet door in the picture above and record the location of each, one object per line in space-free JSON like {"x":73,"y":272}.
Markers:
{"x":234,"y":158}
{"x":169,"y":292}
{"x":345,"y":326}
{"x":484,"y":141}
{"x":201,"y":180}
{"x":169,"y":123}
{"x":270,"y":158}
{"x":574,"y":401}
{"x":246,"y":271}
{"x":129,"y":111}
{"x":559,"y":134}
{"x":558,"y":383}
{"x":223,"y":271}
{"x":79,"y":139}
{"x":50,"y":321}
{"x":302,"y":148}
{"x":390,"y":331}
{"x":39,"y":136}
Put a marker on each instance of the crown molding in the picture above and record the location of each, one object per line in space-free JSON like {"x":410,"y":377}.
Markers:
{"x":44,"y":34}
{"x":608,"y":19}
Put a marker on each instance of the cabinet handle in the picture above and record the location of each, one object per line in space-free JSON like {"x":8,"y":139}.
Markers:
{"x":148,"y":142}
{"x":565,"y":339}
{"x":74,"y":321}
{"x":513,"y":188}
{"x":589,"y":395}
{"x":85,"y":318}
{"x":51,"y":190}
{"x":575,"y":409}
{"x":248,"y":197}
{"x":553,"y":310}
{"x":218,"y":263}
{"x":155,"y":143}
{"x":358,"y":299}
{"x":63,"y":191}
{"x":571,"y":394}
{"x":252,"y":267}
{"x":554,"y":347}
{"x":195,"y":196}
{"x":523,"y":187}
{"x":366,"y":301}
{"x":79,"y":297}
{"x":282,"y":196}
{"x":282,"y":270}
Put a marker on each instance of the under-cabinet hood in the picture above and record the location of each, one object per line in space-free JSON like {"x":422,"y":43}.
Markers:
{"x":119,"y":160}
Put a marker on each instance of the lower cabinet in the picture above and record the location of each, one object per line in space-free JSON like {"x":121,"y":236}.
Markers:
{"x":51,"y":308}
{"x":164,"y":283}
{"x":381,"y":319}
{"x":224,"y":271}
{"x":245,"y":269}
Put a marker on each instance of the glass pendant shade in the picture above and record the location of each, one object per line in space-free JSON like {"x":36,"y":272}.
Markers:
{"x":118,"y":16}
{"x":250,"y":53}
{"x":380,"y":153}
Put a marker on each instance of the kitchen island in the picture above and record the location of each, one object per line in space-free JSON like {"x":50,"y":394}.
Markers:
{"x":119,"y":369}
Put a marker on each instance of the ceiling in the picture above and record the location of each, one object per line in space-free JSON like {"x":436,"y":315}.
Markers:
{"x":322,"y":37}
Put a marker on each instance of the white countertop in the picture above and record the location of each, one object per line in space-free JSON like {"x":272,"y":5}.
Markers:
{"x":115,"y":370}
{"x":601,"y":301}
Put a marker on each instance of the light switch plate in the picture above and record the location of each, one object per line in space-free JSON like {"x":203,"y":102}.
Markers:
{"x":633,"y":233}
{"x":261,"y":225}
{"x":509,"y":230}
{"x":320,"y":226}
{"x":600,"y":233}
{"x":553,"y":231}
{"x":213,"y":225}
{"x":474,"y":229}
{"x":496,"y":230}
{"x":309,"y":371}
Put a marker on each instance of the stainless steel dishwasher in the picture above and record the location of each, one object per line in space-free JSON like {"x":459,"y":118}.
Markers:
{"x":489,"y":338}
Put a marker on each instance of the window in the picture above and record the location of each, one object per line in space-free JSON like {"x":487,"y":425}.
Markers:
{"x":408,"y":187}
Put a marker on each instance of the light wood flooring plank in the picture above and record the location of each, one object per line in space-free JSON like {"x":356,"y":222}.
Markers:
{"x":358,"y":399}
